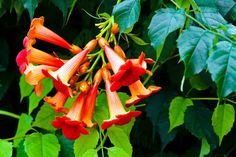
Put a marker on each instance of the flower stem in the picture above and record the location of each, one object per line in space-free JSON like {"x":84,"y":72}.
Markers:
{"x":214,"y":99}
{"x":6,"y":113}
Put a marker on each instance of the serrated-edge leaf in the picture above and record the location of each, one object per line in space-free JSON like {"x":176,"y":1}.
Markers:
{"x":126,"y":13}
{"x":116,"y":151}
{"x":163,"y":23}
{"x":221,"y":65}
{"x":85,"y":142}
{"x":5,"y":148}
{"x":194,"y":44}
{"x":205,"y":148}
{"x":24,"y":125}
{"x":38,"y":145}
{"x":119,"y":139}
{"x":177,"y":109}
{"x":222,"y":120}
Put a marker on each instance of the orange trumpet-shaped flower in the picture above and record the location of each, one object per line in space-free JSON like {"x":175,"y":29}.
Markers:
{"x":35,"y":56}
{"x":39,"y":31}
{"x":65,"y":72}
{"x":126,"y":72}
{"x":71,"y":124}
{"x":118,"y":115}
{"x":91,"y":100}
{"x":57,"y":102}
{"x":139,"y":92}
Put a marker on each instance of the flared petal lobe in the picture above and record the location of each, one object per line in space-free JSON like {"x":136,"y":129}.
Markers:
{"x":118,"y":115}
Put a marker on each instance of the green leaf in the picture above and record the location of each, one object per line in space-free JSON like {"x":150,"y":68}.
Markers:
{"x":210,"y":17}
{"x":34,"y":99}
{"x":223,"y":119}
{"x":119,"y":139}
{"x":25,"y":88}
{"x":19,"y":8}
{"x":67,"y":149}
{"x":183,"y":3}
{"x":177,"y":109}
{"x":63,"y":6}
{"x":137,"y":40}
{"x":24,"y":125}
{"x":85,"y":142}
{"x":5,"y":148}
{"x":44,"y":117}
{"x":197,"y":120}
{"x":200,"y":82}
{"x":163,"y":23}
{"x":223,"y":7}
{"x":194,"y":44}
{"x":4,"y":55}
{"x":221,"y":65}
{"x":232,"y":14}
{"x":126,"y":13}
{"x":38,"y":145}
{"x":205,"y":148}
{"x":20,"y":150}
{"x":116,"y":151}
{"x":90,"y":153}
{"x":30,"y":5}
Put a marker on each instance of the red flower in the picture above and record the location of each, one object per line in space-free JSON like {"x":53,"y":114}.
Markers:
{"x":71,"y":124}
{"x":139,"y":92}
{"x":126,"y":72}
{"x":91,"y":100}
{"x":64,"y":73}
{"x":118,"y":115}
{"x":57,"y":102}
{"x":35,"y":56}
{"x":39,"y":31}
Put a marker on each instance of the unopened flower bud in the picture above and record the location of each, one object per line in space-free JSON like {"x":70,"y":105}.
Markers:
{"x":75,"y":49}
{"x":103,"y":42}
{"x":106,"y":74}
{"x":115,"y":29}
{"x":83,"y":86}
{"x":98,"y":76}
{"x":73,"y":79}
{"x":84,"y":68}
{"x":91,"y":45}
{"x":119,"y":51}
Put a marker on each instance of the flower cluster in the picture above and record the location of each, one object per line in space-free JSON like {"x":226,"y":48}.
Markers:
{"x":76,"y":76}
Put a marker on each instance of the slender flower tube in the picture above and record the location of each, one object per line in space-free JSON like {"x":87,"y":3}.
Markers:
{"x":118,"y":115}
{"x":91,"y":100}
{"x":57,"y":102}
{"x":35,"y":56}
{"x":139,"y":92}
{"x":71,"y":124}
{"x":64,"y":73}
{"x":39,"y":31}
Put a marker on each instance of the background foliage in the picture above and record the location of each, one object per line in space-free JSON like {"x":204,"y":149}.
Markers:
{"x":194,"y":45}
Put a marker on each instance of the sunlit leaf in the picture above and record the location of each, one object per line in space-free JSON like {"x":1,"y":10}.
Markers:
{"x":222,"y":120}
{"x":119,"y":139}
{"x":116,"y":151}
{"x":5,"y":148}
{"x":177,"y":109}
{"x":25,"y":88}
{"x":205,"y":148}
{"x":24,"y":125}
{"x":39,"y":145}
{"x":85,"y":142}
{"x":90,"y":153}
{"x":126,"y":13}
